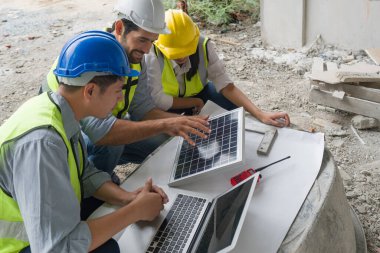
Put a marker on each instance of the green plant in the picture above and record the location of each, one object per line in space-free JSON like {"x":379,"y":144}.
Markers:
{"x":220,"y":12}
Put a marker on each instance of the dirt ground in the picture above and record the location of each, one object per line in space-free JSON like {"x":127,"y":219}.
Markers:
{"x":33,"y":32}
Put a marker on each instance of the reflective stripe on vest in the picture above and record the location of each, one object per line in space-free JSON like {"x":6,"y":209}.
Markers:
{"x":13,"y":229}
{"x":129,"y":88}
{"x":39,"y":112}
{"x":170,"y":83}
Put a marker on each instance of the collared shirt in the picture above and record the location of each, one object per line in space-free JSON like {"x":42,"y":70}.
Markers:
{"x":37,"y":176}
{"x":179,"y":72}
{"x":215,"y":73}
{"x":141,"y":104}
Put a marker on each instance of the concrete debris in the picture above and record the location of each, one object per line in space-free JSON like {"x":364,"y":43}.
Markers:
{"x":365,"y":173}
{"x":362,"y":209}
{"x":354,"y":88}
{"x":298,"y":61}
{"x":330,"y":73}
{"x":326,"y":108}
{"x":374,"y":53}
{"x":336,"y":132}
{"x":327,"y":124}
{"x":362,"y":122}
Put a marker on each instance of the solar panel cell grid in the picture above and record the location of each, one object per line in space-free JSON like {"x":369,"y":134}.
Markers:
{"x":218,"y":149}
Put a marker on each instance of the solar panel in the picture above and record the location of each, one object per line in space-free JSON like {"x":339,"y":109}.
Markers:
{"x":222,"y":148}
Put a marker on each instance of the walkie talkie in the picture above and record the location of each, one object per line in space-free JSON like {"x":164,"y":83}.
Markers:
{"x":247,"y":173}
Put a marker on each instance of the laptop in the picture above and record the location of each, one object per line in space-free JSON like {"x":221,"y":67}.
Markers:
{"x":194,"y":224}
{"x":223,"y":149}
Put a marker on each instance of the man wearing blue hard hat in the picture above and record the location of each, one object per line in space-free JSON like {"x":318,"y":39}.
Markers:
{"x":44,"y":171}
{"x":115,"y":140}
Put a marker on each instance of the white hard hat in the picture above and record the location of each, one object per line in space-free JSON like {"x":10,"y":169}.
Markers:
{"x":146,"y":14}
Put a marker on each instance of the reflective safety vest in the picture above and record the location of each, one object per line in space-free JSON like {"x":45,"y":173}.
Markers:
{"x":129,"y":88}
{"x":38,"y":112}
{"x":170,"y":83}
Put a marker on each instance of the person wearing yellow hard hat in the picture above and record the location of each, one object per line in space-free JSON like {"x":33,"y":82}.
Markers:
{"x":184,"y":72}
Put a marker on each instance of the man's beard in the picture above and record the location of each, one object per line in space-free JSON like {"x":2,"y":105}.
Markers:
{"x":134,"y":60}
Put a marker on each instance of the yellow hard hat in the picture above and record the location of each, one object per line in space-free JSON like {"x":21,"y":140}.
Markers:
{"x":183,"y":40}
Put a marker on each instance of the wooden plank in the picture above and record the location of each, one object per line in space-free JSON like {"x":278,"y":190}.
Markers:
{"x":370,"y":85}
{"x":360,"y":67}
{"x":353,"y":77}
{"x":351,"y":90}
{"x":374,"y":54}
{"x":359,"y":72}
{"x":350,"y":104}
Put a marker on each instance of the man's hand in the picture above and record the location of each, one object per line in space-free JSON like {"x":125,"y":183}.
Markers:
{"x":185,"y":125}
{"x":148,"y":202}
{"x":155,"y":189}
{"x":278,"y":119}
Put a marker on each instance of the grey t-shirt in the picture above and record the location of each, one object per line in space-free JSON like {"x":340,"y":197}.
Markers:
{"x":34,"y":171}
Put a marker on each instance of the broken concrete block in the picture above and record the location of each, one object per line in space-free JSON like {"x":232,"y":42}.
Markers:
{"x":338,"y":94}
{"x":362,"y":122}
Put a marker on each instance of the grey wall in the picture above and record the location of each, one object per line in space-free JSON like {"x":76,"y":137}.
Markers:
{"x":350,"y":24}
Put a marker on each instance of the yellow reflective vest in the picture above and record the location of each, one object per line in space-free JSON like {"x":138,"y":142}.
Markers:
{"x":129,"y":88}
{"x":39,"y":112}
{"x":170,"y":83}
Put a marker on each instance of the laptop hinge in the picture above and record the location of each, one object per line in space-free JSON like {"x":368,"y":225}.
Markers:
{"x":195,"y":237}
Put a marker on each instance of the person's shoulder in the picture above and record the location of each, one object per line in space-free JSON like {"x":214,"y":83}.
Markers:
{"x":43,"y":136}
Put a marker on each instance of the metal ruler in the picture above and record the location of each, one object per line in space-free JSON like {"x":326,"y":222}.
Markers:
{"x":269,"y":133}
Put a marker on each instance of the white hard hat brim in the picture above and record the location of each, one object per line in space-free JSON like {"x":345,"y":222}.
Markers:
{"x":157,"y":30}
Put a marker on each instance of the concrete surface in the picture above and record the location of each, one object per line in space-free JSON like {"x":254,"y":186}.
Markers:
{"x":326,"y":222}
{"x":350,"y":24}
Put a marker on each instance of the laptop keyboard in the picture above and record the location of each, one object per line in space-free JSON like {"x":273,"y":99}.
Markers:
{"x":176,"y":228}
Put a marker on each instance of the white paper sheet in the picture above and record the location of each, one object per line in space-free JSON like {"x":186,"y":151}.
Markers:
{"x":277,"y":198}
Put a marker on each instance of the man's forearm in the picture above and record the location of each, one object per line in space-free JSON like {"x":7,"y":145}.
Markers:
{"x":125,"y":131}
{"x":159,"y":114}
{"x":114,"y":194}
{"x":105,"y":227}
{"x":236,"y":96}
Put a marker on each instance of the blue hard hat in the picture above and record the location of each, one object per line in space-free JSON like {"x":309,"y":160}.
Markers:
{"x":93,"y":51}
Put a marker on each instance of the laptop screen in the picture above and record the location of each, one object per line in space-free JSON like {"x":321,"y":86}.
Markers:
{"x":226,"y":219}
